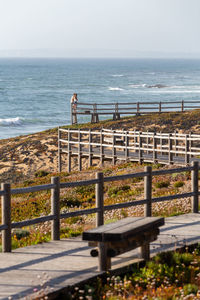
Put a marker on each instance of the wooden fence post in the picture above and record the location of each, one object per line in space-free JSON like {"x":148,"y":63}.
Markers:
{"x":99,"y":191}
{"x":59,"y":151}
{"x":182,"y":105}
{"x":160,"y":107}
{"x":69,"y":152}
{"x":187,"y":146}
{"x":90,"y":148}
{"x":195,"y":186}
{"x":138,"y":109}
{"x":113,"y":148}
{"x":139,"y":148}
{"x":170,"y":155}
{"x":55,"y":209}
{"x":126,"y":146}
{"x":101,"y":147}
{"x":6,"y":217}
{"x":190,"y":144}
{"x":148,"y":191}
{"x":79,"y":151}
{"x":104,"y":260}
{"x":155,"y":153}
{"x":175,"y":143}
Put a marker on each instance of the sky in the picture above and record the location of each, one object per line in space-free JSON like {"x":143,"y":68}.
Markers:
{"x":100,"y":28}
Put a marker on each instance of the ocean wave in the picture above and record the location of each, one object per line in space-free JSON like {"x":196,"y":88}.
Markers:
{"x":117,"y":75}
{"x":136,"y":86}
{"x":115,"y":89}
{"x":11,"y":121}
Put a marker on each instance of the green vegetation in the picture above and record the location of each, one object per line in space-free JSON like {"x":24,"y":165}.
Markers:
{"x":162,"y":184}
{"x":33,"y":205}
{"x":169,"y":275}
{"x":178,"y":184}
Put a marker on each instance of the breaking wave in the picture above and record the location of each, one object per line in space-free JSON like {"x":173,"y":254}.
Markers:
{"x":11,"y":121}
{"x":115,"y":89}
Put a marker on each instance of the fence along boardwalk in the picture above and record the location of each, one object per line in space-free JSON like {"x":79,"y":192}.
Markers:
{"x":27,"y":263}
{"x":134,"y":108}
{"x":67,"y":263}
{"x":6,"y":193}
{"x":150,"y":147}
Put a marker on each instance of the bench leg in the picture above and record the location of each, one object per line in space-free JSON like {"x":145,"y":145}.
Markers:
{"x":104,"y":260}
{"x":145,"y":251}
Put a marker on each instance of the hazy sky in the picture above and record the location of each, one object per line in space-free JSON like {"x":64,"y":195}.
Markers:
{"x":91,"y":28}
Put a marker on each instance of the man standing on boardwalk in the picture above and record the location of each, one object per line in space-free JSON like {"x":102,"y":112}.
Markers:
{"x":74,"y":100}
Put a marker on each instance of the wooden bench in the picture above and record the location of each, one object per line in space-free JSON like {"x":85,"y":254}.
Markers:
{"x":122,"y":236}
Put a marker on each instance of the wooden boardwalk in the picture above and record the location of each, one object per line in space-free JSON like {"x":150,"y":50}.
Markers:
{"x":95,"y":110}
{"x":60,"y":264}
{"x":121,"y":145}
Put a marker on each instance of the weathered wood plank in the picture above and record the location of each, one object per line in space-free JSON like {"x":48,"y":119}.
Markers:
{"x":122,"y":229}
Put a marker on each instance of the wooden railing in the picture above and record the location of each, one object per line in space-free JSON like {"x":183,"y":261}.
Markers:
{"x":133,"y":108}
{"x":6,"y":193}
{"x":164,"y":148}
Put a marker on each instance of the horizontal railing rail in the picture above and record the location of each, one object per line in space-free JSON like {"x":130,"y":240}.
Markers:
{"x":129,"y":108}
{"x":55,"y":216}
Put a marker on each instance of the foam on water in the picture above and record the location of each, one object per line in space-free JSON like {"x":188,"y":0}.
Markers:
{"x":11,"y":121}
{"x":115,"y":89}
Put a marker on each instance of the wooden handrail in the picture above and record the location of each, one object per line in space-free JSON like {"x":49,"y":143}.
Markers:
{"x":165,"y":148}
{"x":131,"y":108}
{"x":99,"y":181}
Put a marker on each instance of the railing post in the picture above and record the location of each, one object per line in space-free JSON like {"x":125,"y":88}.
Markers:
{"x":104,"y":260}
{"x":170,"y":155}
{"x":6,"y":217}
{"x":148,"y":191}
{"x":90,"y":148}
{"x":195,"y":186}
{"x":55,"y":209}
{"x":101,"y":147}
{"x":155,"y":153}
{"x":182,"y":105}
{"x":139,"y":148}
{"x":126,"y":146}
{"x":187,"y":146}
{"x":100,"y":199}
{"x":190,"y":144}
{"x":175,"y":144}
{"x":79,"y":151}
{"x":59,"y":151}
{"x":113,"y":148}
{"x":69,"y":152}
{"x":138,"y":108}
{"x":160,"y":107}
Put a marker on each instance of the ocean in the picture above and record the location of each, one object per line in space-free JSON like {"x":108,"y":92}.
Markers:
{"x":35,"y":93}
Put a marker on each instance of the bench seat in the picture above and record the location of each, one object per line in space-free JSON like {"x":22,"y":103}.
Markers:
{"x":122,"y":236}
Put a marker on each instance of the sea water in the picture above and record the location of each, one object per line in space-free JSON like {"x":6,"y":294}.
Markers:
{"x":35,"y":93}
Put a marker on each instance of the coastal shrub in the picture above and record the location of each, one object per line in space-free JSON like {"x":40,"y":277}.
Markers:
{"x":41,"y":173}
{"x":178,"y":184}
{"x":118,"y":190}
{"x":70,"y":202}
{"x":190,"y":289}
{"x":162,"y":184}
{"x":85,"y":189}
{"x":21,"y":233}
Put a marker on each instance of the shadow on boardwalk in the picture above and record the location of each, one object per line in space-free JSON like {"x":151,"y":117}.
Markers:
{"x":54,"y":266}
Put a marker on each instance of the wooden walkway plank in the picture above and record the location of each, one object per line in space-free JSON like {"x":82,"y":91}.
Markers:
{"x":60,"y":264}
